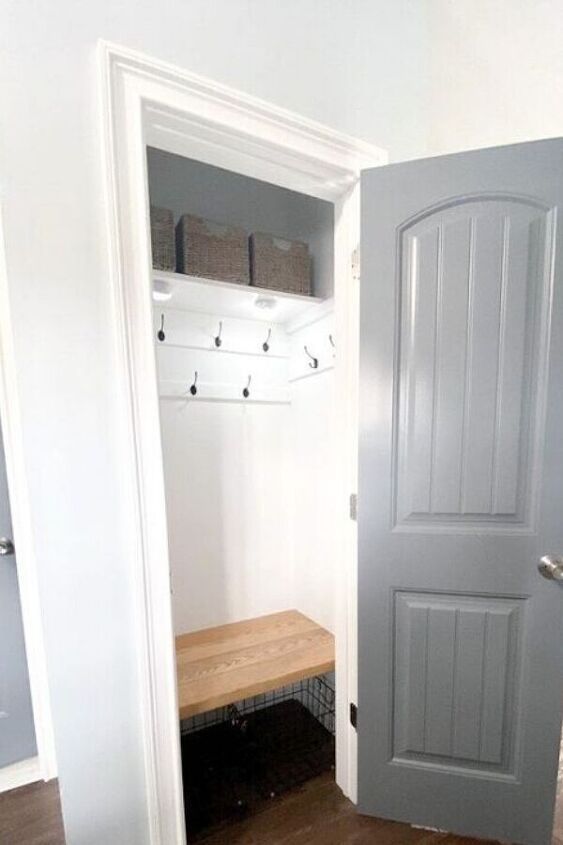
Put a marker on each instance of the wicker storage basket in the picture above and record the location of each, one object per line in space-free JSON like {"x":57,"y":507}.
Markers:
{"x":280,"y":264}
{"x":211,"y":250}
{"x":162,"y":239}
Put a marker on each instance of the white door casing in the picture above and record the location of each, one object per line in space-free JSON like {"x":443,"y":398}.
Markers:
{"x":147,"y":102}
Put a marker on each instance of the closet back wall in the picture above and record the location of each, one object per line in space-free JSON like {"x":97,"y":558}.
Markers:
{"x":226,"y":468}
{"x":228,"y":511}
{"x":244,"y":498}
{"x":314,"y":454}
{"x":249,"y":484}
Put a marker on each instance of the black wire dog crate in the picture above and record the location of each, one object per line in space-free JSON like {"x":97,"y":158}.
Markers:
{"x":238,"y":757}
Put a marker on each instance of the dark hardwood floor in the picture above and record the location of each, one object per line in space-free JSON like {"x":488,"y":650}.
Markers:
{"x":32,"y":815}
{"x":316,"y":814}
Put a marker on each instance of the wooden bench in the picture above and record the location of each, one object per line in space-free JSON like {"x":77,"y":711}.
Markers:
{"x":219,"y":666}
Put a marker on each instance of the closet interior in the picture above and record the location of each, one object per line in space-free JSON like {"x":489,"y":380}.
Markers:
{"x":248,"y":411}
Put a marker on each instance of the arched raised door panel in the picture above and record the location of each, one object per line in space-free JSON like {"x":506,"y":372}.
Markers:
{"x":473,"y":311}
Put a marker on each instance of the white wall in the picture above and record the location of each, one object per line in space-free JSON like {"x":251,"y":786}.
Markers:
{"x":314,"y":473}
{"x":250,"y":487}
{"x":226,"y":468}
{"x":361,"y":66}
{"x":337,"y":62}
{"x":496,"y":72}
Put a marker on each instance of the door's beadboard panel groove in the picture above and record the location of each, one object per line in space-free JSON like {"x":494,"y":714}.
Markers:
{"x":470,"y":322}
{"x":456,"y":669}
{"x":500,"y":365}
{"x":468,"y":360}
{"x":436,"y":369}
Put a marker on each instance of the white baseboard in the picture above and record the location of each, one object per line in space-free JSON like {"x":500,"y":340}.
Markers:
{"x":20,"y":774}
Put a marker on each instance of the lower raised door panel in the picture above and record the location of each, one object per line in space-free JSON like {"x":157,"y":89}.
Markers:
{"x":456,"y":679}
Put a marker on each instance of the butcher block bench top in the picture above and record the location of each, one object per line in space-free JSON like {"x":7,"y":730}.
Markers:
{"x":219,"y":666}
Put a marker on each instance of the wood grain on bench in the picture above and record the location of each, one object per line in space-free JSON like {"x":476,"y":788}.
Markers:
{"x":219,"y":666}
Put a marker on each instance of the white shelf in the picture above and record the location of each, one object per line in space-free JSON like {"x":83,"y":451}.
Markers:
{"x":179,"y":391}
{"x":208,"y":296}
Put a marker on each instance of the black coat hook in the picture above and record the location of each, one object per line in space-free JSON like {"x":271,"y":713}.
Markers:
{"x":218,"y":340}
{"x":314,"y":362}
{"x":266,"y":344}
{"x":246,"y":391}
{"x":160,"y":335}
{"x":193,"y":388}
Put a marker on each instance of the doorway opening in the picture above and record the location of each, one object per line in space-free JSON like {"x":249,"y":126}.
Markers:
{"x":245,"y":364}
{"x":150,"y":105}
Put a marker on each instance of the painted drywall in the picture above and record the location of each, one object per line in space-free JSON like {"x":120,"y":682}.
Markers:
{"x":496,"y":72}
{"x":186,"y":186}
{"x":249,"y":486}
{"x":227,"y":496}
{"x":314,"y":457}
{"x":362,"y":66}
{"x":359,"y":66}
{"x":226,"y":469}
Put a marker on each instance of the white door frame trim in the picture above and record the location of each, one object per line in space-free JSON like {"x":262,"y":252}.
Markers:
{"x":44,"y":766}
{"x":148,"y":102}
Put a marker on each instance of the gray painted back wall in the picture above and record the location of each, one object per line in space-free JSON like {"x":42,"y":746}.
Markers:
{"x":184,"y":185}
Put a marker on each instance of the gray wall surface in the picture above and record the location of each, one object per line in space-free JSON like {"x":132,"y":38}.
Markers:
{"x":184,"y":185}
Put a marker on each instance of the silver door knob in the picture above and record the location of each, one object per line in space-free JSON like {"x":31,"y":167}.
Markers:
{"x":6,"y":546}
{"x":551,"y":567}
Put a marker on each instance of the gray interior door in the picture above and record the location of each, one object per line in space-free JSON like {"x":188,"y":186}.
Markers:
{"x":17,"y":733}
{"x":461,"y":491}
